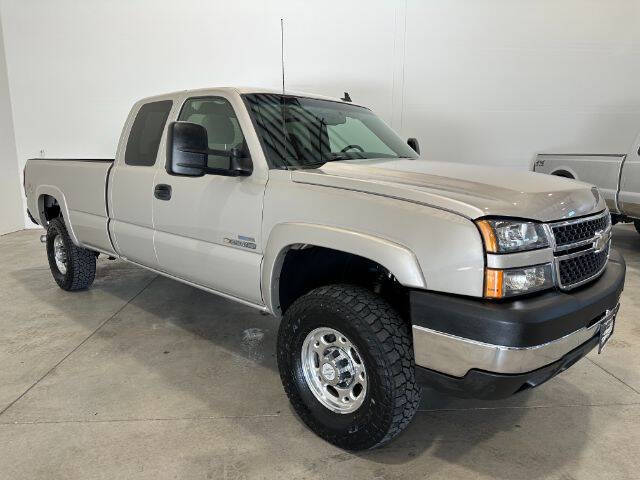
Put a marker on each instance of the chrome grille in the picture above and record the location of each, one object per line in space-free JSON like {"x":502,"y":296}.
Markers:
{"x":581,"y":249}
{"x":581,"y":267}
{"x":579,"y":231}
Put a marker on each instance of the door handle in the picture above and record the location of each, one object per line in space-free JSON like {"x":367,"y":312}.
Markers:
{"x":162,"y":191}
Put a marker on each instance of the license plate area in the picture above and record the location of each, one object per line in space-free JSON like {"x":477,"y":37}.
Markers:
{"x":606,"y":327}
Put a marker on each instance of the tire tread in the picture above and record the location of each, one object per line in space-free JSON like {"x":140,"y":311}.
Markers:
{"x":394,"y":361}
{"x":81,"y":263}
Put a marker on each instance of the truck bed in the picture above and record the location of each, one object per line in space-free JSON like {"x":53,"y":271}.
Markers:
{"x":81,"y":187}
{"x":602,"y":170}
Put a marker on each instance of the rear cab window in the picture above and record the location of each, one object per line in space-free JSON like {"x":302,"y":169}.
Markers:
{"x":146,"y":132}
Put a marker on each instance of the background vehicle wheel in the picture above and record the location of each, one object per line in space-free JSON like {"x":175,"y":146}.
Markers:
{"x":637,"y":225}
{"x":72,"y":267}
{"x":346,"y":363}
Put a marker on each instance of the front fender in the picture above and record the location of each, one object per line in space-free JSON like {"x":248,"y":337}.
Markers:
{"x":399,"y":260}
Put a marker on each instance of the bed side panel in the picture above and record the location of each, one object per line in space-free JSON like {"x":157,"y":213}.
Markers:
{"x":81,"y":186}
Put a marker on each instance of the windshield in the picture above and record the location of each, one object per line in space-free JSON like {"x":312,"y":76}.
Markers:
{"x":307,"y":132}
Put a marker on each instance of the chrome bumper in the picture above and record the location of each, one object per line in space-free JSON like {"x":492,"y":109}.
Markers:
{"x":455,"y":356}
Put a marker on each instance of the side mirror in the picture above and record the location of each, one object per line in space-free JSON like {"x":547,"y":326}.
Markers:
{"x":240,"y":163}
{"x":187,"y":149}
{"x":413,"y":143}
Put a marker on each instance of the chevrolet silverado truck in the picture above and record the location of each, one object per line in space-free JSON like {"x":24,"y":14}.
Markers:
{"x":617,"y":176}
{"x":388,"y":272}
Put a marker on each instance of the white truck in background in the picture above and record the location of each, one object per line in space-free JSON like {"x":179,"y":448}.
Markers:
{"x":617,"y":176}
{"x":387,"y":271}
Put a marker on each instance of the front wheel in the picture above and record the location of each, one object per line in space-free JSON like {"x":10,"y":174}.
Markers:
{"x":346,"y":362}
{"x":72,"y":267}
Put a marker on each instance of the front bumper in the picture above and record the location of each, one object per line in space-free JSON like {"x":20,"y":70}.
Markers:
{"x":486,"y":349}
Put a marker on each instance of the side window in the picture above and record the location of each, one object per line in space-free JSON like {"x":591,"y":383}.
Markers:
{"x":216,"y":115}
{"x":144,"y":138}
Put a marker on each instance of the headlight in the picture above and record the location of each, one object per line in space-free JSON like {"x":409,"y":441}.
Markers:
{"x":507,"y":236}
{"x":517,"y":281}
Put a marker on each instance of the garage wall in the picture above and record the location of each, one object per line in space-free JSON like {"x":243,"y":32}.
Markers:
{"x":10,"y":197}
{"x":494,"y":81}
{"x":488,"y":81}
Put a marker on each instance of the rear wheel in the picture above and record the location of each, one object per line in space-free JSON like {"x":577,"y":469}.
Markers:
{"x":72,"y":267}
{"x":346,"y":362}
{"x":563,"y":173}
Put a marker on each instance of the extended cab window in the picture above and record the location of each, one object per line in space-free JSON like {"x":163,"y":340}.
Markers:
{"x":218,"y":118}
{"x":146,"y":132}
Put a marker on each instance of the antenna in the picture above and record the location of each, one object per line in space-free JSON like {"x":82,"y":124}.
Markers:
{"x":282,"y":50}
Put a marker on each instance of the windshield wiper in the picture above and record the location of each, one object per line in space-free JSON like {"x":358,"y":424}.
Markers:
{"x":335,"y":157}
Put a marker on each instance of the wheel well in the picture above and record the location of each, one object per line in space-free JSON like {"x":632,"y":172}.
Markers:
{"x":306,"y":267}
{"x":49,"y":207}
{"x":563,"y":173}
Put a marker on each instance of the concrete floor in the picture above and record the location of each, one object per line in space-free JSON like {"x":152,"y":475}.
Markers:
{"x":143,"y":377}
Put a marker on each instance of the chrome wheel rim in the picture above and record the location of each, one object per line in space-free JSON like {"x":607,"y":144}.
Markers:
{"x":60,"y":254}
{"x":334,"y":370}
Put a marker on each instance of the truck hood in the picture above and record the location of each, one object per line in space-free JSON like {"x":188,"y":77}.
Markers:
{"x":469,"y":190}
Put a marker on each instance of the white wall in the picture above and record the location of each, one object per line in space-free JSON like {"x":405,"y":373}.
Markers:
{"x":10,"y":199}
{"x":488,"y":81}
{"x":494,"y":81}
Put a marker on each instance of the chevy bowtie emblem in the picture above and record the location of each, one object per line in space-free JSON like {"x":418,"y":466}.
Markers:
{"x":601,"y":240}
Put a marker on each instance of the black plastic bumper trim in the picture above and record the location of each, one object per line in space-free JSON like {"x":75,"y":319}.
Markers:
{"x":491,"y":386}
{"x":522,"y":322}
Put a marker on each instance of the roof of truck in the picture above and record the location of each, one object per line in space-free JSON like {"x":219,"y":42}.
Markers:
{"x":243,"y":90}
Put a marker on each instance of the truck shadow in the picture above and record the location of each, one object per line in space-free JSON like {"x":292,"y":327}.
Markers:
{"x":515,"y":438}
{"x":627,"y":240}
{"x":491,"y":438}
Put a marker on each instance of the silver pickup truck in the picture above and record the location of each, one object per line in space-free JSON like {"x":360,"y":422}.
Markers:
{"x":388,"y":271}
{"x":617,"y":176}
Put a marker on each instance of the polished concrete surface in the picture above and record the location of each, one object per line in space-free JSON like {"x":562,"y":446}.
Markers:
{"x":144,"y":377}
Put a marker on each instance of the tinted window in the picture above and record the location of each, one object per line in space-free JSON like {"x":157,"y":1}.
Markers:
{"x":144,"y":139}
{"x":345,"y":136}
{"x":218,"y":118}
{"x":301,"y":131}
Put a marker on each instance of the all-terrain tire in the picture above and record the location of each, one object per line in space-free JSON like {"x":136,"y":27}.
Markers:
{"x":383,"y":340}
{"x":80,"y":262}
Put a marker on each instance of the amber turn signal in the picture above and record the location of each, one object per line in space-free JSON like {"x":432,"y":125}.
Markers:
{"x":488,"y":235}
{"x":493,"y":283}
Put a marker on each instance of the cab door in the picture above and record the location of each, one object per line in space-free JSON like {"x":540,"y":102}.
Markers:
{"x":207,"y":229}
{"x":131,"y":182}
